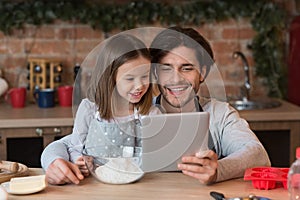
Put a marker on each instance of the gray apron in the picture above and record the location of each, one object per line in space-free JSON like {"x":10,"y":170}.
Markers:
{"x":111,"y":140}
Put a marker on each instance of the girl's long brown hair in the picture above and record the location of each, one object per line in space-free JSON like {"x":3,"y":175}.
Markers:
{"x":116,"y":51}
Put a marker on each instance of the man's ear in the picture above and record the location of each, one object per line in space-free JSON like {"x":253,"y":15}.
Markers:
{"x":203,"y":73}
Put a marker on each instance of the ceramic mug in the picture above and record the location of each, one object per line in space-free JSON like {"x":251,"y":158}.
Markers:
{"x":45,"y":97}
{"x":16,"y":97}
{"x":65,"y":94}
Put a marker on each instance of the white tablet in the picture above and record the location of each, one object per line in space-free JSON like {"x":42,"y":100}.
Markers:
{"x":168,"y":137}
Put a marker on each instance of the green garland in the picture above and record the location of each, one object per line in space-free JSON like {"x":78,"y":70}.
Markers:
{"x":267,"y":18}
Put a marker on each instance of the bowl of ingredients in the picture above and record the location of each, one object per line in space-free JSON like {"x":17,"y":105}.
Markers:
{"x":113,"y":169}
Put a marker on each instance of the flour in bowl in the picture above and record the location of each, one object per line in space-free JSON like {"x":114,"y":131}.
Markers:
{"x":119,"y":171}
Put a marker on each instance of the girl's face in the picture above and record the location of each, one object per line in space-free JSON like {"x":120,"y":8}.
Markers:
{"x":132,"y":79}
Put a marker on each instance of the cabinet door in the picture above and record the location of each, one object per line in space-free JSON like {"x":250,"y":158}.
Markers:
{"x":25,"y":145}
{"x":26,"y":150}
{"x":277,"y":145}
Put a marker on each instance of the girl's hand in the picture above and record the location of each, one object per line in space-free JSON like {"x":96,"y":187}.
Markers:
{"x":61,"y":172}
{"x":82,"y":166}
{"x":203,"y":166}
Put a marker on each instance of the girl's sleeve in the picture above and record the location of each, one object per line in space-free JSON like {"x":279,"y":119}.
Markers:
{"x":85,"y":113}
{"x":70,"y":147}
{"x":55,"y":150}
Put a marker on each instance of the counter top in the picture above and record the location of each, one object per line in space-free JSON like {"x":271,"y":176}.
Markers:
{"x":32,"y":116}
{"x":286,"y":112}
{"x":163,"y":185}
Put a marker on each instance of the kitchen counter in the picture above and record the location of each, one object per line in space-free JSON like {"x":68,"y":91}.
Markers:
{"x":152,"y":186}
{"x":286,"y":112}
{"x":31,"y":129}
{"x":286,"y":117}
{"x":283,"y":118}
{"x":33,"y":116}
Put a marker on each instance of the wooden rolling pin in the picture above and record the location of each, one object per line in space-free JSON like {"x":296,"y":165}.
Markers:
{"x":9,"y":166}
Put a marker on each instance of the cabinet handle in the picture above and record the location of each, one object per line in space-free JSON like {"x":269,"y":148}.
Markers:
{"x":57,"y":130}
{"x":39,"y":131}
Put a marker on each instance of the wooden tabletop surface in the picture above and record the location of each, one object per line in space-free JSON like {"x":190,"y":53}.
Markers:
{"x":152,"y":186}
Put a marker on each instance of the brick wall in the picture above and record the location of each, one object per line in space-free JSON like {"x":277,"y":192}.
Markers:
{"x":71,"y":43}
{"x":225,"y":38}
{"x":61,"y":41}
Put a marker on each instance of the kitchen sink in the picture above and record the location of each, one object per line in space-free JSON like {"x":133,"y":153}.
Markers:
{"x":254,"y":104}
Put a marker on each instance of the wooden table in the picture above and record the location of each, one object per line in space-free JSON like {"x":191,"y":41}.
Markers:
{"x":152,"y":186}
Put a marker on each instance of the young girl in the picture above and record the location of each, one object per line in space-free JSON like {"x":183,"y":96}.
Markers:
{"x":118,"y":93}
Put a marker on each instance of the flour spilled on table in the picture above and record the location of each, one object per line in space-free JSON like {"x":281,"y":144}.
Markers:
{"x":119,"y":171}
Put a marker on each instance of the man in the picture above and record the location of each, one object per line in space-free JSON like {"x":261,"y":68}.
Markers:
{"x":181,"y":60}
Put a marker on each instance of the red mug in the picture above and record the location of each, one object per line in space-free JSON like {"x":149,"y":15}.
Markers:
{"x":65,"y":94}
{"x":16,"y":97}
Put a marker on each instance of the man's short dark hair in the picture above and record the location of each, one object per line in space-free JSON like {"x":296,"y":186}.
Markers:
{"x":174,"y":37}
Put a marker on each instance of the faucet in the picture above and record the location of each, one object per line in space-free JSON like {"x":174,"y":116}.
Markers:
{"x":247,"y":86}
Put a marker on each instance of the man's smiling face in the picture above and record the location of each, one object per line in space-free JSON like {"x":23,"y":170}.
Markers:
{"x":178,"y":76}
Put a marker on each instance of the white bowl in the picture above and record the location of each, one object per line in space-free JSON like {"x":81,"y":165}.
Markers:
{"x":119,"y":170}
